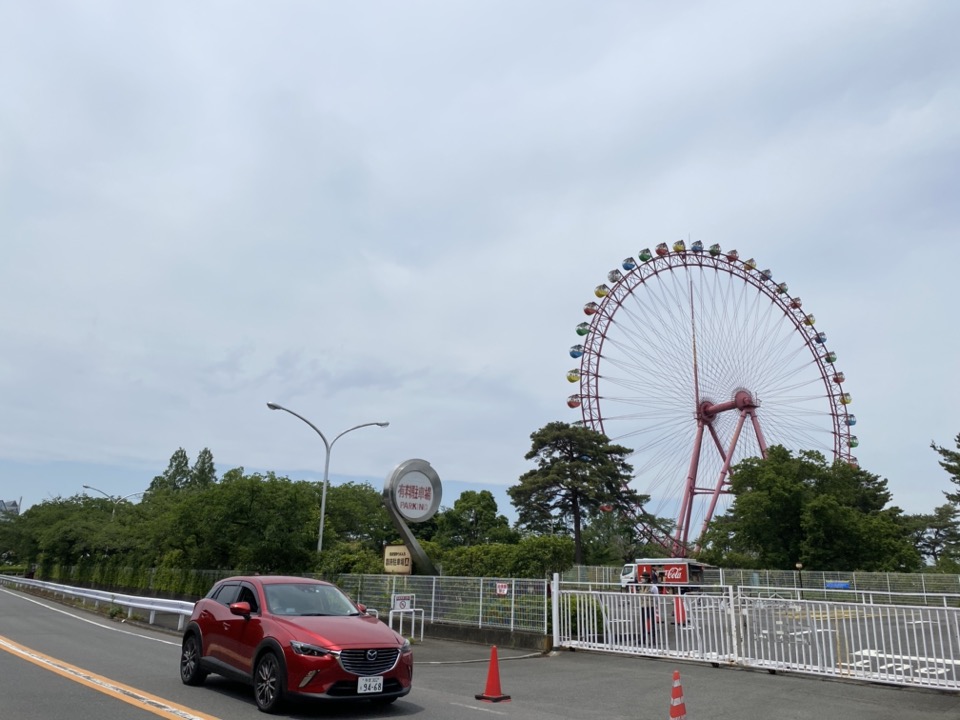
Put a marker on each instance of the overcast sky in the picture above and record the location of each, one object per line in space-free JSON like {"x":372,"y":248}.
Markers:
{"x":395,"y":211}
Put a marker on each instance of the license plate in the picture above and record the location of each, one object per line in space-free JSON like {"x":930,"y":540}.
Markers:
{"x":372,"y":684}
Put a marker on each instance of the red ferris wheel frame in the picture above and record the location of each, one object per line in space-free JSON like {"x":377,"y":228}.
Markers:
{"x":743,"y":403}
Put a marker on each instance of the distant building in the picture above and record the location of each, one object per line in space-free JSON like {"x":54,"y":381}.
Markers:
{"x":9,"y":507}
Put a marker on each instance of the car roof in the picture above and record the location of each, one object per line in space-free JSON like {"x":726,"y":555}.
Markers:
{"x":274,"y":579}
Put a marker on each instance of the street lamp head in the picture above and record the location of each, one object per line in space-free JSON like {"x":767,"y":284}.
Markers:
{"x":87,"y":487}
{"x":273,"y":406}
{"x":382,"y":424}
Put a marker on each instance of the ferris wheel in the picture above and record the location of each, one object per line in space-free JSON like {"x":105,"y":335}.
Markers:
{"x":696,"y":360}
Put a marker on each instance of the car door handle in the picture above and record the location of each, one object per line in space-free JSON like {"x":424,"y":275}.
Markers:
{"x":226,"y":626}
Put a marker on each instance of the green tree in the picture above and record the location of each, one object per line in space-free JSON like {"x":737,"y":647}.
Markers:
{"x":176,"y":476}
{"x":204,"y":472}
{"x":350,"y":557}
{"x":950,"y":461}
{"x":608,"y":539}
{"x":790,"y":509}
{"x":540,"y":557}
{"x":578,"y":470}
{"x":356,"y":515}
{"x":473,"y":520}
{"x":937,"y":535}
{"x":532,"y":557}
{"x":245,"y":522}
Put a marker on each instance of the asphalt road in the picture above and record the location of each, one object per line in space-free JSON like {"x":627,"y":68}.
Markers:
{"x":62,"y":662}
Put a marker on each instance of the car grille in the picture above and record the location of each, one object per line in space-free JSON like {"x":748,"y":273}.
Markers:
{"x":360,"y":662}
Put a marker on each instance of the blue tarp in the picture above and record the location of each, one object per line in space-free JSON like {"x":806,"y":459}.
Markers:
{"x":836,"y":584}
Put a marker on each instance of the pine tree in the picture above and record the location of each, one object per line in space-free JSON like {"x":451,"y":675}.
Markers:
{"x":951,"y":463}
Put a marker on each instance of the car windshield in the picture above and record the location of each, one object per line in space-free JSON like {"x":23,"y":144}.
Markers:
{"x":307,"y":599}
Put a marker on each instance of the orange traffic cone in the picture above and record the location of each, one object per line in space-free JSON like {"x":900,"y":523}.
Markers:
{"x":493,"y":693}
{"x":679,"y":610}
{"x":677,"y":707}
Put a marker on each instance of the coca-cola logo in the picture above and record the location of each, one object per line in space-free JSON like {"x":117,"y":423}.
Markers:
{"x":675,"y":574}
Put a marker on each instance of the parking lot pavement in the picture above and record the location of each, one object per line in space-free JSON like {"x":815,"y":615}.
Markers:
{"x":567,"y":685}
{"x":449,"y":652}
{"x":564,"y":685}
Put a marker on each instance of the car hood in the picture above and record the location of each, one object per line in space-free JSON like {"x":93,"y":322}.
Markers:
{"x":356,"y":631}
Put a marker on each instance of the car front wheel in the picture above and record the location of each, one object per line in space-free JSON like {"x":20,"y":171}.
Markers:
{"x":190,"y":671}
{"x":268,"y":683}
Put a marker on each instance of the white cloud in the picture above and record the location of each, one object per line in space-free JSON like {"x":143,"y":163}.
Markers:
{"x":397,"y":211}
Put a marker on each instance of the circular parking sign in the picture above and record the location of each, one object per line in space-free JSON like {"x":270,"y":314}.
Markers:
{"x":413,"y":488}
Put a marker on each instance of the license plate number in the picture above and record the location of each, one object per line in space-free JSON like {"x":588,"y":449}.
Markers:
{"x":370,"y":685}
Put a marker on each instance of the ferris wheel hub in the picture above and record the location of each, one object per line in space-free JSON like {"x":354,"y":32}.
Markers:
{"x":742,"y":400}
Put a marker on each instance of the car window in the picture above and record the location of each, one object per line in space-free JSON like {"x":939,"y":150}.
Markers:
{"x":227,"y":593}
{"x":307,"y":599}
{"x":249,"y":595}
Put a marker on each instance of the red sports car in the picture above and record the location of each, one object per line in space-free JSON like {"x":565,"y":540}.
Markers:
{"x":294,"y":636}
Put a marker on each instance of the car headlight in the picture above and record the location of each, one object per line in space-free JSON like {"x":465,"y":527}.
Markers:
{"x":405,"y":649}
{"x":302,"y":648}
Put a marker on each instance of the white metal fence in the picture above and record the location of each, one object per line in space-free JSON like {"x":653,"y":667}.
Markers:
{"x":897,"y":641}
{"x":896,"y":644}
{"x":692,"y":626}
{"x":501,"y":603}
{"x":810,"y":581}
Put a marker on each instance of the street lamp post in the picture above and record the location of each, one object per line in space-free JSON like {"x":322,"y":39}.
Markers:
{"x":114,"y":500}
{"x":799,"y":567}
{"x":326,"y":464}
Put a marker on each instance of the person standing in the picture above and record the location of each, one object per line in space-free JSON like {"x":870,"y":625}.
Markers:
{"x":648,"y":604}
{"x":654,"y":591}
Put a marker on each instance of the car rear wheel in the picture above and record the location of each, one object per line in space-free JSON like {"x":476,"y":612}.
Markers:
{"x":190,"y":671}
{"x":268,"y":683}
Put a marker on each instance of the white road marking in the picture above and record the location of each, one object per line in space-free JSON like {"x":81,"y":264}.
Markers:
{"x":480,"y":709}
{"x":910,"y":658}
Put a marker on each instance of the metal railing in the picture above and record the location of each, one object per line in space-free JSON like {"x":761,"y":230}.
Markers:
{"x":840,"y":592}
{"x":501,"y":603}
{"x":809,"y":580}
{"x":691,"y":627}
{"x":179,"y":608}
{"x":894,"y":644}
{"x":906,"y":639}
{"x":894,"y":584}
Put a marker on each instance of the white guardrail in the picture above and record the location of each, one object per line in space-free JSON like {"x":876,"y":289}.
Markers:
{"x":179,"y":608}
{"x":902,"y":643}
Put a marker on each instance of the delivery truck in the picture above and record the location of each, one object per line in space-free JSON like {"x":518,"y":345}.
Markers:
{"x":675,"y":575}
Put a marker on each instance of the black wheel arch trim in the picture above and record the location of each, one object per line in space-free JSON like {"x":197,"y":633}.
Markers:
{"x":269,"y":643}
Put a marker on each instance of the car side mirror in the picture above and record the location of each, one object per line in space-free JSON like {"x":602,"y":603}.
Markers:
{"x":362,"y":608}
{"x":240,"y":608}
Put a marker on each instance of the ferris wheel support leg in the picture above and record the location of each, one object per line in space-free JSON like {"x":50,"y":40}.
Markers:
{"x":760,"y":439}
{"x":686,"y":505}
{"x":722,"y":478}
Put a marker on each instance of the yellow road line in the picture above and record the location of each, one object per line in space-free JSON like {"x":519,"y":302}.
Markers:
{"x":133,"y":696}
